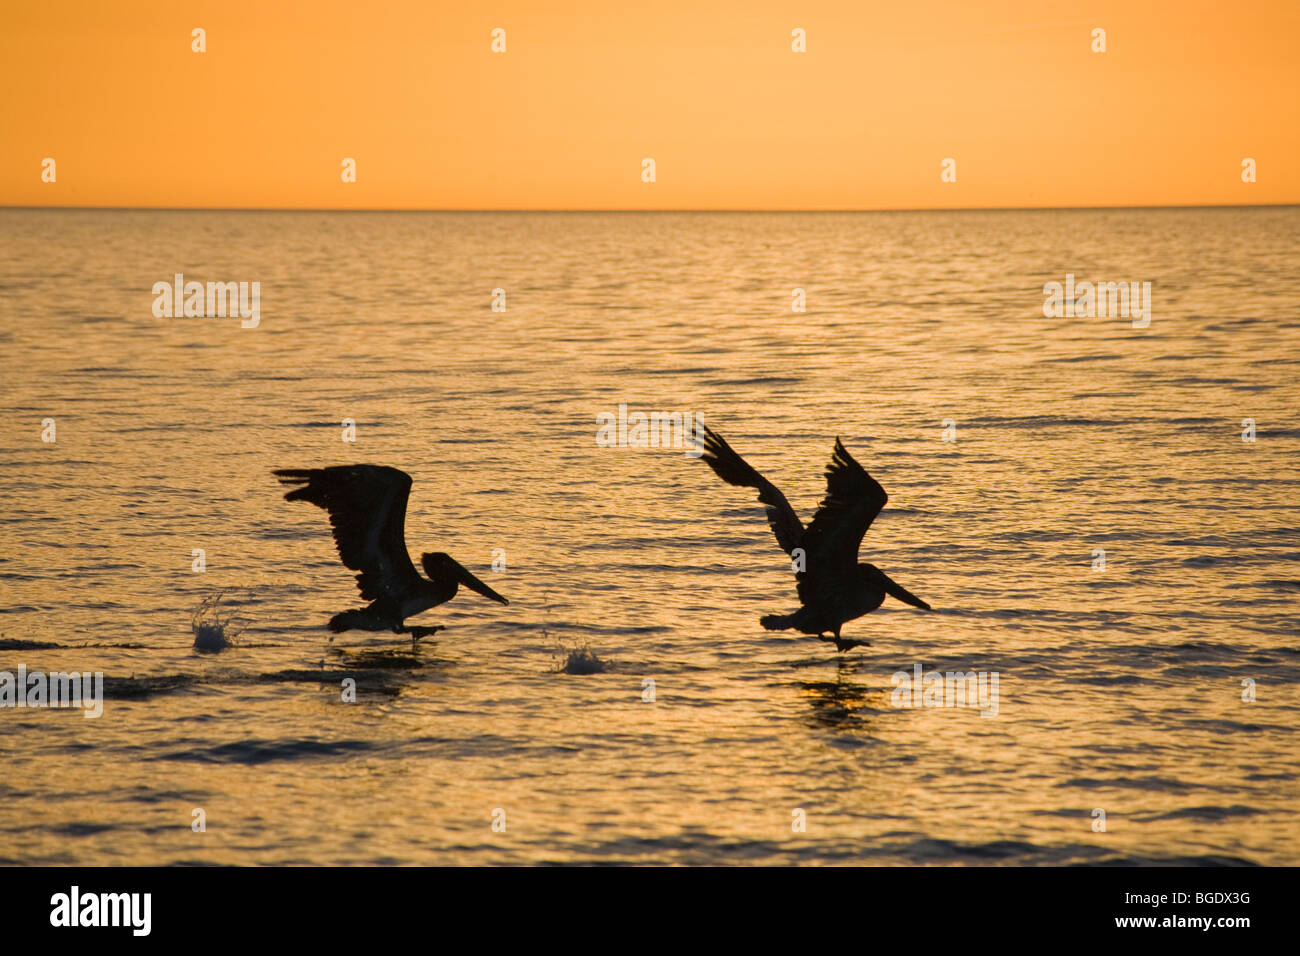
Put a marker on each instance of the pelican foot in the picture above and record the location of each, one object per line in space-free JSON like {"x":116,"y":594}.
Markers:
{"x":843,"y":644}
{"x":419,"y":632}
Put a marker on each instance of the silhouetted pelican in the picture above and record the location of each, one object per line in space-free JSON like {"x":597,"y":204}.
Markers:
{"x":833,"y":587}
{"x":367,"y":509}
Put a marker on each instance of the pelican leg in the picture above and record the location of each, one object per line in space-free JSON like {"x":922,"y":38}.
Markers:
{"x":842,"y":644}
{"x":417,"y":632}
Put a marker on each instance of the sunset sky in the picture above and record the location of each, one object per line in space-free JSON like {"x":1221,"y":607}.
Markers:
{"x":1010,"y":89}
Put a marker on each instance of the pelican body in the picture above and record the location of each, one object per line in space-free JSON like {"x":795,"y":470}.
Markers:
{"x":833,"y":587}
{"x":367,"y":509}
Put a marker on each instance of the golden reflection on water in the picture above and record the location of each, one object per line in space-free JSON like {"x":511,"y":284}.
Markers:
{"x":1119,"y":689}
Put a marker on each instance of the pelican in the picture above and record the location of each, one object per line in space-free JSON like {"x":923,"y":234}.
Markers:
{"x":833,"y":588}
{"x":367,"y":509}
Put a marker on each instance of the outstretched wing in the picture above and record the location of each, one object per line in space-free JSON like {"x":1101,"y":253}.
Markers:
{"x":853,"y":499}
{"x":734,"y":470}
{"x":367,"y":509}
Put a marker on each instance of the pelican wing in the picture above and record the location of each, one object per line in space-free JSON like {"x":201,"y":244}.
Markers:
{"x":734,"y":470}
{"x":367,"y":509}
{"x":853,"y":499}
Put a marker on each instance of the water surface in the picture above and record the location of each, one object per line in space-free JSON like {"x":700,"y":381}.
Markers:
{"x":1120,"y":689}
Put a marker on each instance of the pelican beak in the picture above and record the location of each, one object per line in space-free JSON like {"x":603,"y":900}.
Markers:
{"x":896,"y":590}
{"x":474,"y":584}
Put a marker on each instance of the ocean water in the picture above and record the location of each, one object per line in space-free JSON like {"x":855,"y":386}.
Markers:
{"x":1120,"y":689}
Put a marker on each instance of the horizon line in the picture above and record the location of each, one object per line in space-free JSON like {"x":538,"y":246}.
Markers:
{"x":625,"y":209}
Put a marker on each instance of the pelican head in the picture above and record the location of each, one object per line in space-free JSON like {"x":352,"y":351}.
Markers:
{"x":443,"y":567}
{"x":878,"y":580}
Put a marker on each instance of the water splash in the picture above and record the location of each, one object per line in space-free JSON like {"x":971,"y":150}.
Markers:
{"x":213,"y":630}
{"x":583,"y":660}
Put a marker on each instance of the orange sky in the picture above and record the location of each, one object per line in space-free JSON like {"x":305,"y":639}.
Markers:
{"x":587,"y":88}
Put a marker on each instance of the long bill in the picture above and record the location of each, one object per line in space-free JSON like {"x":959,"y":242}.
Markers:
{"x":474,"y":584}
{"x":896,"y":590}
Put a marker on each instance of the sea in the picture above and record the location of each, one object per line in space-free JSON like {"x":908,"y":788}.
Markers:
{"x":1100,"y":506}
